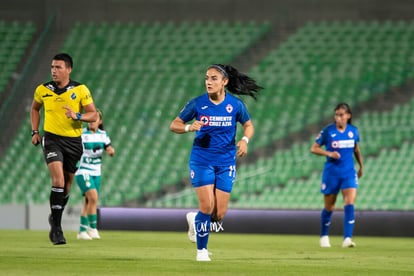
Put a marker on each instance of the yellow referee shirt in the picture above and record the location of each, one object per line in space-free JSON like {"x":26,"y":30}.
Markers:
{"x":75,"y":95}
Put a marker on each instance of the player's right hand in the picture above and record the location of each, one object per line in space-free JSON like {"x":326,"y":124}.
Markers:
{"x":196,"y":125}
{"x":36,"y":139}
{"x":335,"y":155}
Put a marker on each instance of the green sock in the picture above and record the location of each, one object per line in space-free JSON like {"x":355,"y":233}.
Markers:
{"x":84,"y":222}
{"x":92,"y":221}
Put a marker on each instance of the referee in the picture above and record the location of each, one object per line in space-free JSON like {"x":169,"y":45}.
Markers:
{"x":66,"y":104}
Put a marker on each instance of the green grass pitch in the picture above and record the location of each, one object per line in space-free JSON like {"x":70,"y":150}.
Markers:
{"x":170,"y":253}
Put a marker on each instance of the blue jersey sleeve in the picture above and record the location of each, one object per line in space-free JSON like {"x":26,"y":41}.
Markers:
{"x":243,"y":116}
{"x":321,"y":139}
{"x":189,"y":112}
{"x":356,"y":135}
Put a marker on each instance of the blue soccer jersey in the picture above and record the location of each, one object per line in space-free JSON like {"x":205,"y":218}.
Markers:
{"x":215,"y":144}
{"x":342,"y":142}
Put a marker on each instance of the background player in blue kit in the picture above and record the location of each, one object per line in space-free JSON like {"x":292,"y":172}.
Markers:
{"x":341,"y":141}
{"x":212,"y":162}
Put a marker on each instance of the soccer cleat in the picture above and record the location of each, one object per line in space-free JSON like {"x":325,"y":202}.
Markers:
{"x":56,"y":236}
{"x":83,"y":236}
{"x":348,"y":243}
{"x":191,"y":226}
{"x":203,"y":256}
{"x":93,"y":233}
{"x":216,"y":226}
{"x":324,"y":241}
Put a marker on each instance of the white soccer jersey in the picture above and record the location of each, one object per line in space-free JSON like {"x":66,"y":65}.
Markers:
{"x":94,"y":145}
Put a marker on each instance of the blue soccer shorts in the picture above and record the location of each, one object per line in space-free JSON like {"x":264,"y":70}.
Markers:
{"x":332,"y":184}
{"x":222,"y":176}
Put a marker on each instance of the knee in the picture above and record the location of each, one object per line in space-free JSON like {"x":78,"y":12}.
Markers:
{"x":58,"y":182}
{"x":92,"y":198}
{"x":207,"y":208}
{"x":349,"y":200}
{"x":219,"y":215}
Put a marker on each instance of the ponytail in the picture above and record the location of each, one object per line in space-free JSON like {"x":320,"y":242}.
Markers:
{"x":239,"y":83}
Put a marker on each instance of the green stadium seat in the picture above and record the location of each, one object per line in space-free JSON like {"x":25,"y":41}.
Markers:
{"x":146,"y":72}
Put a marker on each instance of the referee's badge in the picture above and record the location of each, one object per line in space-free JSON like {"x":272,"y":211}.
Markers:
{"x":73,"y":96}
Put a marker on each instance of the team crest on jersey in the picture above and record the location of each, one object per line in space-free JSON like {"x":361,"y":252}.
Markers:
{"x":229,"y":108}
{"x":205,"y":120}
{"x":350,"y":134}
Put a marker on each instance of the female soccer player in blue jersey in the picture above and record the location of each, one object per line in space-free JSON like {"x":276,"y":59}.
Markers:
{"x":212,"y":163}
{"x":95,"y":141}
{"x":341,"y":141}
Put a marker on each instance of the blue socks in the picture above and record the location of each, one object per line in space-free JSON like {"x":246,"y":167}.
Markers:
{"x":325,"y":222}
{"x":349,"y":220}
{"x":202,"y":227}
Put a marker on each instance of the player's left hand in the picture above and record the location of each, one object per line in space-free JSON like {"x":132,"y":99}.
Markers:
{"x":360,"y":173}
{"x":241,"y":148}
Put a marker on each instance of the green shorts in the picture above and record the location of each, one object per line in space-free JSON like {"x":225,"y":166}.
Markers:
{"x":87,"y":182}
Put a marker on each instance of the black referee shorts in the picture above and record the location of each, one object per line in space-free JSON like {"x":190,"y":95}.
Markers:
{"x":67,"y":150}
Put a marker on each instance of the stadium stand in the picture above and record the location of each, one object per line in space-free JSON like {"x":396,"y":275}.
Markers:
{"x":14,"y":40}
{"x":320,"y":65}
{"x":290,"y":179}
{"x":142,"y":73}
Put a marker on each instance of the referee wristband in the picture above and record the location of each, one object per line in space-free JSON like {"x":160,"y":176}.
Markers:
{"x":78,"y":116}
{"x":35,"y":132}
{"x":187,"y":128}
{"x":245,"y":139}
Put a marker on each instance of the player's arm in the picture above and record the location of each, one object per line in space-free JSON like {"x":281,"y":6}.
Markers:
{"x":248,"y":131}
{"x":317,"y":149}
{"x":110,"y":150}
{"x":35,"y":122}
{"x":90,"y":114}
{"x":358,"y":157}
{"x":180,"y":127}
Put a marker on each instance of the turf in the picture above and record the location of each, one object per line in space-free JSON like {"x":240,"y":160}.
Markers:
{"x":164,"y":253}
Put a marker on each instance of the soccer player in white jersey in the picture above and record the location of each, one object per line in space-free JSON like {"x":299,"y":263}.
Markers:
{"x":341,"y":141}
{"x":214,"y":116}
{"x":95,"y":141}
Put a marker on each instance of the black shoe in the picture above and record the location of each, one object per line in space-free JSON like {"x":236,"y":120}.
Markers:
{"x":56,"y":236}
